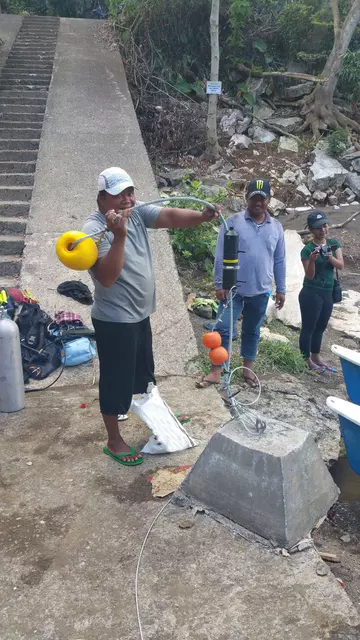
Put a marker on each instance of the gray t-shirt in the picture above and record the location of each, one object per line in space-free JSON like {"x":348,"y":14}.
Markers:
{"x":132,"y":297}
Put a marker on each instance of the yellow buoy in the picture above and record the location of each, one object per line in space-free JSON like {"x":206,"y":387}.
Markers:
{"x":81,"y":257}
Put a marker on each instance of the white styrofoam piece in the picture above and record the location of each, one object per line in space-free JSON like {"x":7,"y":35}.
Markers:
{"x":345,"y":409}
{"x":347,"y":354}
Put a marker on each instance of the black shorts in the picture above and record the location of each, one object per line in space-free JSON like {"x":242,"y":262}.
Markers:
{"x":126,"y":362}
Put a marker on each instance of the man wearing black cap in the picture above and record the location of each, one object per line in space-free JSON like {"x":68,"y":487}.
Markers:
{"x":261,"y":239}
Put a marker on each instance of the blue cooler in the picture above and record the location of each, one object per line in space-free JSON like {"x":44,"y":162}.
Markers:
{"x":349,"y":418}
{"x":350,"y":363}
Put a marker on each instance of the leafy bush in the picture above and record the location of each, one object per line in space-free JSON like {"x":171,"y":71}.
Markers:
{"x":196,"y":247}
{"x":337,"y":142}
{"x":350,"y":74}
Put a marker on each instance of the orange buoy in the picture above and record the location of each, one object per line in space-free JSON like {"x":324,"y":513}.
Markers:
{"x":219,"y":355}
{"x":211,"y":340}
{"x":82,"y":257}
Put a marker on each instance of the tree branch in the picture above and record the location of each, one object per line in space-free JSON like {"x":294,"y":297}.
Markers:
{"x":274,"y":74}
{"x":337,"y":21}
{"x":341,"y":225}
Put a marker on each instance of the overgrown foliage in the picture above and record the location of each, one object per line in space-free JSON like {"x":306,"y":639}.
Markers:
{"x":196,"y":247}
{"x":349,"y":77}
{"x":66,"y":8}
{"x":166,"y":43}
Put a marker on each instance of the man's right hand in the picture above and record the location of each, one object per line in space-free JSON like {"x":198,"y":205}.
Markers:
{"x":221,"y":295}
{"x":116,"y":223}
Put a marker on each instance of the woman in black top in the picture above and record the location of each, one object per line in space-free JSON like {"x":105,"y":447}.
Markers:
{"x":320,"y":258}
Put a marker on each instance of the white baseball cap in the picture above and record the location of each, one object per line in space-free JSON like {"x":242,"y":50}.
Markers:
{"x":114,"y":180}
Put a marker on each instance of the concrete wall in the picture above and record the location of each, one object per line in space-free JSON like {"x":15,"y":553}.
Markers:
{"x":90,"y":124}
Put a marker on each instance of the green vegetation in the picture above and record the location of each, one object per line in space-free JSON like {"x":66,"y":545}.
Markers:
{"x":66,"y":8}
{"x":337,"y":142}
{"x":272,"y":357}
{"x":196,"y":247}
{"x":280,"y":357}
{"x":166,"y":43}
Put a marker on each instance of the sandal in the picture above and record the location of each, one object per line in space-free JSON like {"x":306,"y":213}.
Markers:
{"x":203,"y":383}
{"x":119,"y":457}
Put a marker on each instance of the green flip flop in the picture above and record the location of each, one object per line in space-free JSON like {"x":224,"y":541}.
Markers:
{"x":119,"y":457}
{"x":187,"y":418}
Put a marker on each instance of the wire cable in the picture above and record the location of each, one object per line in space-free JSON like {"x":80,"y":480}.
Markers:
{"x":139,"y":563}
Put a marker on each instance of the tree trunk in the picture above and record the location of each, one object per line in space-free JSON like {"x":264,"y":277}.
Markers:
{"x":212,"y":146}
{"x":318,"y":107}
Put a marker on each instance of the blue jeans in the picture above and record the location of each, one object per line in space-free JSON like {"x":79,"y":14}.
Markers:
{"x":253,"y":310}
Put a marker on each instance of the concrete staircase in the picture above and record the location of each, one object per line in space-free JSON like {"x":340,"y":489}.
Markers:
{"x":24,"y":86}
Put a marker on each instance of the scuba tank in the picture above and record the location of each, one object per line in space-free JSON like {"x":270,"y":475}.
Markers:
{"x":12,"y":390}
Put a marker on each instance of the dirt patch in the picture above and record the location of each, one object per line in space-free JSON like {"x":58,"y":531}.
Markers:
{"x":21,"y":533}
{"x":137,"y":491}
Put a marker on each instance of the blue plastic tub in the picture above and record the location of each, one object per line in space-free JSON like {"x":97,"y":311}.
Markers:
{"x":349,"y":418}
{"x":350,"y":364}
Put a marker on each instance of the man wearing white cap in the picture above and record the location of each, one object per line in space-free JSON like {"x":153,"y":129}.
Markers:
{"x":124,"y":296}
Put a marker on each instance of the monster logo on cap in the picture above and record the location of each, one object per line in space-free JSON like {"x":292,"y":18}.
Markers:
{"x":258,"y":187}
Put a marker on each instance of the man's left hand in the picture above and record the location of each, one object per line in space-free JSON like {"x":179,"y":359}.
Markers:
{"x":279,"y":300}
{"x":210,"y":214}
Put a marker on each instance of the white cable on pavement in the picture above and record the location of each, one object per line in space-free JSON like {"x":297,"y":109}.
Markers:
{"x":138,"y":566}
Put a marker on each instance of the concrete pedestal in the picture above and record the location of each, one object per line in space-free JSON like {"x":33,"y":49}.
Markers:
{"x":275,"y":485}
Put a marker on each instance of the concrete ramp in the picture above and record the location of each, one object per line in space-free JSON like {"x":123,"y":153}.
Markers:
{"x":90,"y":124}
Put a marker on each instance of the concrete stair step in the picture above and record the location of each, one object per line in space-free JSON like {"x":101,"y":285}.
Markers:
{"x":21,"y":109}
{"x":9,"y":282}
{"x":28,"y":68}
{"x":30,"y":58}
{"x":19,"y":145}
{"x":29,"y":83}
{"x":39,"y":46}
{"x":30,"y":55}
{"x":8,"y":166}
{"x":14,"y":138}
{"x":16,"y":73}
{"x":28,"y":137}
{"x":30,"y":90}
{"x":27,"y":100}
{"x":47,"y":30}
{"x":14,"y":209}
{"x":10,"y":265}
{"x":12,"y":226}
{"x":25,"y":88}
{"x":17,"y":179}
{"x":32,"y":51}
{"x":31,"y":36}
{"x":17,"y":194}
{"x":11,"y":245}
{"x":18,"y":156}
{"x":22,"y":117}
{"x":10,"y":124}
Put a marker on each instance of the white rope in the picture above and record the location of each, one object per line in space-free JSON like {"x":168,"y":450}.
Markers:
{"x":138,"y":566}
{"x":159,"y":201}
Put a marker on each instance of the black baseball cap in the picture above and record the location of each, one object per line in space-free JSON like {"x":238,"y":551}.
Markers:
{"x":317,"y":219}
{"x":258,"y":187}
